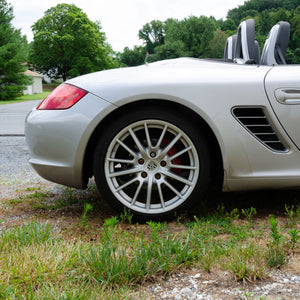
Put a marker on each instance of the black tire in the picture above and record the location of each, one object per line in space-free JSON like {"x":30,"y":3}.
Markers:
{"x":153,"y":162}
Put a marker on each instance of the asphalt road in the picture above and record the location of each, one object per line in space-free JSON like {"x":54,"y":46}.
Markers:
{"x":12,"y":117}
{"x":13,"y":149}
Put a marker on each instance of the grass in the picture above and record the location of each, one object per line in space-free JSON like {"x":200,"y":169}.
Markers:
{"x":38,"y":261}
{"x":28,"y":98}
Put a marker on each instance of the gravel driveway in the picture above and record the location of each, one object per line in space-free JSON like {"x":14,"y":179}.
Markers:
{"x":15,"y":171}
{"x":13,"y":155}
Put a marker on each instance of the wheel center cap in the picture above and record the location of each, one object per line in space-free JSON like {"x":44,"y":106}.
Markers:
{"x":152,"y":165}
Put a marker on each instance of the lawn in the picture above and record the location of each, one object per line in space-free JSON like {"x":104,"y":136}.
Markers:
{"x":28,"y":97}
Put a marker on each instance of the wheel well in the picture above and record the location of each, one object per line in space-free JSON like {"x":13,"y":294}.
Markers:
{"x":218,"y":173}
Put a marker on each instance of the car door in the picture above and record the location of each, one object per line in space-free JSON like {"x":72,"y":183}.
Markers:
{"x":282,"y":85}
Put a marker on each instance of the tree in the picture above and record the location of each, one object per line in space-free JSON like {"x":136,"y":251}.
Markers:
{"x":229,"y":25}
{"x":133,"y":57}
{"x":67,"y":44}
{"x":216,"y":45}
{"x":293,"y":52}
{"x":170,"y":50}
{"x":254,"y":7}
{"x":153,"y":35}
{"x":196,"y":34}
{"x":12,"y":55}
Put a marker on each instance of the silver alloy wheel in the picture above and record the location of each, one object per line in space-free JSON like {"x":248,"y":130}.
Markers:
{"x":151,"y":166}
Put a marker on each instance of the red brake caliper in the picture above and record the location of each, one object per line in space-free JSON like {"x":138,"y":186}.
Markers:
{"x":171,"y":152}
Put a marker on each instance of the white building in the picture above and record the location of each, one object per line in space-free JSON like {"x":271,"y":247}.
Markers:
{"x":37,"y":86}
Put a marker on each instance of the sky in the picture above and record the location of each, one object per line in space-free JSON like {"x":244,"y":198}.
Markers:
{"x":122,"y":19}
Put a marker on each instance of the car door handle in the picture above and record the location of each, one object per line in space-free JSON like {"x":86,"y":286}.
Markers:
{"x":288,"y":96}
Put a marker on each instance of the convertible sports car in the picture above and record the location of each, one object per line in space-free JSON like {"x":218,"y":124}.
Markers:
{"x":157,"y":137}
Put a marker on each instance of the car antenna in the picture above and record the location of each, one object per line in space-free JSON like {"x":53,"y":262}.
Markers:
{"x":146,"y":58}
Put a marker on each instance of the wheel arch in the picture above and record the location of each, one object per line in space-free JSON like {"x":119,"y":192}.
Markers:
{"x":218,"y":165}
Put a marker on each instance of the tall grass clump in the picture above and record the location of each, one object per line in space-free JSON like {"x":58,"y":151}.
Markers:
{"x":136,"y":260}
{"x":31,"y":255}
{"x":275,"y":256}
{"x":33,"y":233}
{"x":246,"y":262}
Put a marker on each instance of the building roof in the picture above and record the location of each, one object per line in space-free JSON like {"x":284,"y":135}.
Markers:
{"x":33,"y":74}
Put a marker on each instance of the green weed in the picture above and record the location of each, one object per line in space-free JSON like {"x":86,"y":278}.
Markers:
{"x":108,"y":229}
{"x":292,"y":214}
{"x":294,"y":237}
{"x":275,"y":256}
{"x":249,"y":213}
{"x":86,"y":209}
{"x":126,"y":216}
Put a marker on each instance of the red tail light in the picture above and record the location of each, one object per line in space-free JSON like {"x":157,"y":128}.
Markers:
{"x":63,"y":97}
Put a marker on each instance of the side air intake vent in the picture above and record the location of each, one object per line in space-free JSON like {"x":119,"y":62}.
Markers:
{"x":255,"y":121}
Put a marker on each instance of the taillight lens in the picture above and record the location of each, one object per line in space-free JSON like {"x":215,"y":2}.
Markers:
{"x":63,"y":97}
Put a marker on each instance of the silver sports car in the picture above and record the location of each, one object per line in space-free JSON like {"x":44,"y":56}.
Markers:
{"x":157,"y":137}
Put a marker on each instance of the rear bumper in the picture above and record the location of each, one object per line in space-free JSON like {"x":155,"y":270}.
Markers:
{"x":57,"y":139}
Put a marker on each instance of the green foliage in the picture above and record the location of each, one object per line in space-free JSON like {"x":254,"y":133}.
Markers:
{"x":216,"y":44}
{"x":170,"y":50}
{"x":66,"y":43}
{"x":134,"y":57}
{"x":254,"y":7}
{"x":13,"y":47}
{"x":204,"y":37}
{"x":194,"y":32}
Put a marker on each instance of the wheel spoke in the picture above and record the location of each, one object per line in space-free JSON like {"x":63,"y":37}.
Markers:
{"x":121,"y":187}
{"x":173,"y":189}
{"x":149,"y":192}
{"x":170,"y":145}
{"x":137,"y":142}
{"x":176,"y":177}
{"x":182,"y":167}
{"x":136,"y":193}
{"x":161,"y":196}
{"x":161,"y":137}
{"x":147,"y":135}
{"x":124,"y":172}
{"x":122,"y":161}
{"x":179,"y":153}
{"x":126,"y":148}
